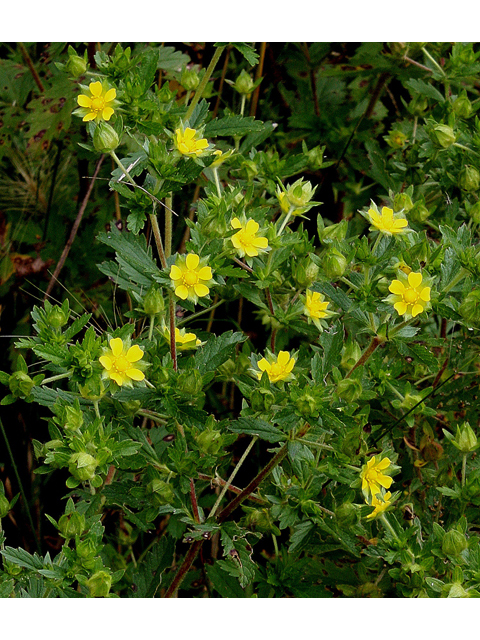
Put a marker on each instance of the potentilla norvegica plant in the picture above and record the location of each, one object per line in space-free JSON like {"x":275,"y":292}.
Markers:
{"x":287,"y":405}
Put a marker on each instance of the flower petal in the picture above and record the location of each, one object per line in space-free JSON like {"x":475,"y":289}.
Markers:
{"x":414,"y":279}
{"x":135,"y":353}
{"x":118,"y":378}
{"x":106,"y":362}
{"x":90,"y":116}
{"x":110,"y":95}
{"x":135,"y":374}
{"x":96,"y":88}
{"x":252,"y":227}
{"x":192,"y":261}
{"x":84,"y":101}
{"x":425,"y":294}
{"x":397,"y":287}
{"x":416,"y":309}
{"x":205,"y":273}
{"x":236,"y":224}
{"x":175,"y":272}
{"x":201,"y":290}
{"x":401,"y":307}
{"x":182,"y":292}
{"x":116,"y":345}
{"x":107,"y":113}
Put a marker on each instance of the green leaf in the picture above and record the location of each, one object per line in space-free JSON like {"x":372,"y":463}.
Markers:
{"x":51,"y":352}
{"x":226,"y":585}
{"x":332,"y":343}
{"x":22,"y":558}
{"x":233,"y":126}
{"x":425,"y":89}
{"x":148,"y":578}
{"x":171,"y":60}
{"x":248,"y":52}
{"x":257,"y":427}
{"x":217,"y":350}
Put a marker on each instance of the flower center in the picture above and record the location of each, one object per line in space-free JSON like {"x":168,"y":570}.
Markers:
{"x":98,"y":104}
{"x":121,"y":364}
{"x":190,"y":278}
{"x":245,"y":238}
{"x":410,"y":296}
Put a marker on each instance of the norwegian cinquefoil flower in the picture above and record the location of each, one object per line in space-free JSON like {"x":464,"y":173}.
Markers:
{"x":380,"y":502}
{"x":278,"y":368}
{"x":119,"y":362}
{"x":247,"y":241}
{"x":386,"y":222}
{"x":373,"y":478}
{"x":190,"y":280}
{"x":410,"y":295}
{"x":315,"y":308}
{"x":188,"y":142}
{"x":98,"y":103}
{"x":183,"y":340}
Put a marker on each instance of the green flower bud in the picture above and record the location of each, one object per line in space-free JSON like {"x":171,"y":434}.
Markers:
{"x":244,"y":83}
{"x":57,"y":317}
{"x":305,"y":272}
{"x":457,"y":591}
{"x":462,"y":106}
{"x":402,"y":201}
{"x":4,"y":506}
{"x":300,"y":193}
{"x":163,"y":492}
{"x":337,"y":231}
{"x":349,"y":389}
{"x":99,"y":584}
{"x":76,"y":66}
{"x":418,"y":105}
{"x":165,"y":94}
{"x":82,"y":466}
{"x":306,"y":405}
{"x":71,"y":524}
{"x":351,"y":353}
{"x":190,"y":382}
{"x":86,"y":548}
{"x":105,"y":138}
{"x":469,"y":178}
{"x":153,"y":303}
{"x":260,"y":520}
{"x":189,"y":79}
{"x":465,"y":439}
{"x":250,"y":168}
{"x":347,"y":515}
{"x":443,"y":135}
{"x":20,"y":384}
{"x":72,"y":418}
{"x":419,"y":213}
{"x":262,"y":399}
{"x":315,"y":158}
{"x":210,"y":441}
{"x":454,"y":542}
{"x":93,"y":389}
{"x":334,"y":264}
{"x":131,"y":407}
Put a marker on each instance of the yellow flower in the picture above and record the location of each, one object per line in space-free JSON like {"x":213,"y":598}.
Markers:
{"x":190,"y":281}
{"x":118,"y":362}
{"x":380,"y":503}
{"x":187,"y":143}
{"x":183,"y":340}
{"x":98,"y":105}
{"x":278,"y":368}
{"x":315,"y":307}
{"x":220,"y":157}
{"x":386,"y":222}
{"x":373,"y":477}
{"x":409,"y":297}
{"x":246,"y":241}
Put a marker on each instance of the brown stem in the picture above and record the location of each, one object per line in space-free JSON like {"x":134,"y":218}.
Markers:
{"x":376,"y":341}
{"x":222,"y":80}
{"x":270,"y":306}
{"x":74,"y":230}
{"x":184,"y":568}
{"x":312,"y":80}
{"x":29,"y":63}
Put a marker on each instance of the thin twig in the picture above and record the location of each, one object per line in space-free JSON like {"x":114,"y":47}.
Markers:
{"x":258,"y":74}
{"x":29,"y":62}
{"x":74,"y":230}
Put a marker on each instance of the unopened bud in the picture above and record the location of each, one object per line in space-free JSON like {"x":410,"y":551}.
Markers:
{"x":454,"y":542}
{"x":4,"y":506}
{"x":71,"y":524}
{"x":105,"y":138}
{"x":99,"y":584}
{"x":20,"y":384}
{"x":189,"y":79}
{"x":349,"y":389}
{"x":462,"y":106}
{"x":76,"y":66}
{"x":334,"y":264}
{"x":82,"y":466}
{"x":190,"y":382}
{"x":443,"y":135}
{"x":153,"y":302}
{"x":210,"y":441}
{"x":469,"y":178}
{"x":244,"y":83}
{"x":162,"y":491}
{"x":402,"y":201}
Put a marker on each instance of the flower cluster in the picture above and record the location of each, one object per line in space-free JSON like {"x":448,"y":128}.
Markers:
{"x":374,"y":483}
{"x":98,"y":103}
{"x":190,"y":279}
{"x":119,"y":362}
{"x":247,"y":241}
{"x":278,"y":367}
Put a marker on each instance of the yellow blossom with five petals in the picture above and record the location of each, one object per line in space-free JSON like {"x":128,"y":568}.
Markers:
{"x":98,"y":105}
{"x":188,"y":143}
{"x":373,"y":478}
{"x":386,"y":222}
{"x":190,"y":280}
{"x":183,"y":340}
{"x":278,"y":368}
{"x":247,"y":241}
{"x":410,"y":296}
{"x":119,"y":362}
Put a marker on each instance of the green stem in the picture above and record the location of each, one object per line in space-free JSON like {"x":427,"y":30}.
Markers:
{"x":158,"y":239}
{"x":232,"y":476}
{"x":464,"y":469}
{"x":388,"y":526}
{"x":199,"y":313}
{"x":204,"y":82}
{"x":433,"y":61}
{"x":168,"y":226}
{"x":285,"y":221}
{"x":60,"y":376}
{"x":172,"y":316}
